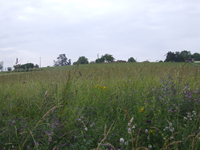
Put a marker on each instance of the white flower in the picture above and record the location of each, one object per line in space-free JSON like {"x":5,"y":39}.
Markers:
{"x":146,"y":131}
{"x":121,"y":140}
{"x":86,"y":128}
{"x":185,"y":118}
{"x":129,"y":130}
{"x":171,"y":130}
{"x":166,"y":128}
{"x":170,"y":124}
{"x":148,"y":137}
{"x":171,"y":138}
{"x":134,"y":126}
{"x":129,"y":124}
{"x":150,"y":146}
{"x":190,"y":118}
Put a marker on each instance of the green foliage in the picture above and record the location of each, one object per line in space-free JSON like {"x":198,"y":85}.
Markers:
{"x":131,"y":59}
{"x":62,"y":60}
{"x":1,"y":65}
{"x":106,"y":57}
{"x":82,"y":60}
{"x":36,"y":66}
{"x":24,"y":66}
{"x":196,"y":56}
{"x":9,"y":69}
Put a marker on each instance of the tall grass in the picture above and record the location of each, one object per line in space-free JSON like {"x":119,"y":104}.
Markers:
{"x":90,"y":106}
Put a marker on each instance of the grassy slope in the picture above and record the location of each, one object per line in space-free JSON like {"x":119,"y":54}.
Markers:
{"x":95,"y":94}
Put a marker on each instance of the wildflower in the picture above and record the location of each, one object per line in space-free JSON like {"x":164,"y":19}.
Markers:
{"x":129,"y":130}
{"x":185,"y":118}
{"x":170,"y":124}
{"x":121,"y":140}
{"x":97,"y":86}
{"x":146,"y":131}
{"x":141,"y":109}
{"x":86,"y":128}
{"x":148,"y":138}
{"x":150,"y":146}
{"x":135,"y":126}
{"x":104,"y":87}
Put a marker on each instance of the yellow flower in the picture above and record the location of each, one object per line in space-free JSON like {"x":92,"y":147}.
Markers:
{"x":151,"y":131}
{"x":141,"y":109}
{"x":97,"y":86}
{"x":104,"y":87}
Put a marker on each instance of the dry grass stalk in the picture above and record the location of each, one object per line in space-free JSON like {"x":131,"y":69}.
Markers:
{"x":137,"y":138}
{"x":172,"y":144}
{"x":194,"y":139}
{"x":48,"y":112}
{"x":143,"y":148}
{"x":33,"y":139}
{"x":105,"y":135}
{"x":111,"y":145}
{"x":170,"y":137}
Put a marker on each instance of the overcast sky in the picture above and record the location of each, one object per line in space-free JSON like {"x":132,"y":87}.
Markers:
{"x":143,"y":29}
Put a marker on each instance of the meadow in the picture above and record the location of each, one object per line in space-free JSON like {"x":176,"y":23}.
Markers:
{"x":153,"y":106}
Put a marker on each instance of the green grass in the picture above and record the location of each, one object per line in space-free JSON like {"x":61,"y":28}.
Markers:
{"x":86,"y":106}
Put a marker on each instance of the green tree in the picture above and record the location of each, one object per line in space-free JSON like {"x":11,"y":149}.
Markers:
{"x":82,"y":60}
{"x":196,"y":56}
{"x":1,"y":65}
{"x":170,"y":56}
{"x":131,"y":59}
{"x":36,"y":66}
{"x":100,"y":60}
{"x":108,"y":58}
{"x":9,"y":69}
{"x":62,"y":60}
{"x":186,"y":54}
{"x":178,"y":57}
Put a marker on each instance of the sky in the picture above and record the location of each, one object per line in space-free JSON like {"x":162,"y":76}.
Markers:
{"x":142,"y":29}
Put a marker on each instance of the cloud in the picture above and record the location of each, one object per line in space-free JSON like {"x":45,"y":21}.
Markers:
{"x":141,"y":29}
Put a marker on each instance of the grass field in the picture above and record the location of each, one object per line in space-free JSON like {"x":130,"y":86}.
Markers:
{"x":102,"y":106}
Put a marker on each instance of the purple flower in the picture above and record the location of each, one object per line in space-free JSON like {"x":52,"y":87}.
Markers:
{"x":169,"y":111}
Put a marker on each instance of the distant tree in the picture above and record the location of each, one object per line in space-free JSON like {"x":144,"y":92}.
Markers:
{"x":75,"y":63}
{"x":82,"y":60}
{"x":36,"y":66}
{"x":131,"y":59}
{"x":170,"y":56}
{"x":1,"y":65}
{"x":196,"y":56}
{"x":9,"y":69}
{"x":108,"y":58}
{"x":27,"y":66}
{"x":105,"y":58}
{"x":178,"y":57}
{"x":100,"y":60}
{"x":62,"y":60}
{"x":186,"y":54}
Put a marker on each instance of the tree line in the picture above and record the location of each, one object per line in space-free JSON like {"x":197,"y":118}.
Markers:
{"x":182,"y":56}
{"x":62,"y":60}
